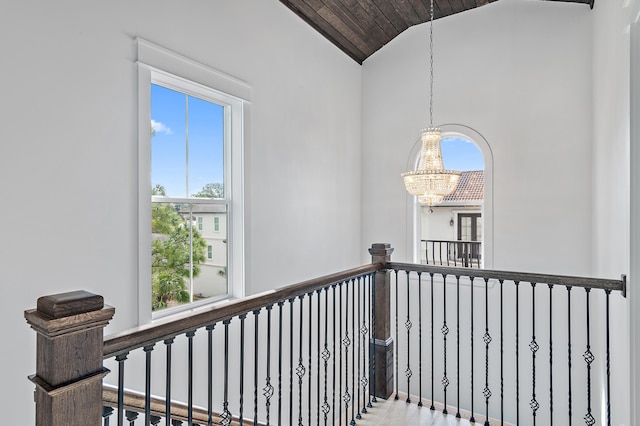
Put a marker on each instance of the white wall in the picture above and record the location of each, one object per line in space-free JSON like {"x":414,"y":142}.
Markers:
{"x":527,"y":90}
{"x":69,"y":151}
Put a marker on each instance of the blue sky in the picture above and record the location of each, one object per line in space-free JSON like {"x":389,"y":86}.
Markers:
{"x":169,"y":147}
{"x":461,"y":154}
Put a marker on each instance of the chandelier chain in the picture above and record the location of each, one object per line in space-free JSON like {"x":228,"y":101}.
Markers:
{"x":431,"y":66}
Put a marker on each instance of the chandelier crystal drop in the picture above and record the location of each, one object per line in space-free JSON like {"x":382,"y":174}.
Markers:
{"x":431,"y":182}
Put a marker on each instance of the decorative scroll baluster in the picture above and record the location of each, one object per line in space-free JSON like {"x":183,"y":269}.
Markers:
{"x":533,"y":346}
{"x":256,"y":350}
{"x":445,"y":331}
{"x":357,"y":337}
{"x":569,"y":347}
{"x":408,"y":325}
{"x":326,"y":354}
{"x":433,"y":407}
{"x":225,"y":417}
{"x":190,"y":335}
{"x":120,"y":359}
{"x":458,"y":345}
{"x":608,"y":362}
{"x":300,"y":370}
{"x":340,"y":353}
{"x":588,"y":358}
{"x":420,"y":333}
{"x":147,"y":385}
{"x":168,"y":344}
{"x":346,"y":341}
{"x":280,"y":307}
{"x":354,"y":336}
{"x":242,"y":317}
{"x":267,"y":391}
{"x":396,"y":342}
{"x":550,"y":354}
{"x":487,"y":339}
{"x":209,"y":329}
{"x":472,"y":418}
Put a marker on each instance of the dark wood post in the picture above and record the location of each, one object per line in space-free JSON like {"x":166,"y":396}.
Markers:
{"x":69,"y":368}
{"x":382,"y":344}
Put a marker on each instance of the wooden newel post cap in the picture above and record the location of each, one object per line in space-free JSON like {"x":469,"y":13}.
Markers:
{"x":68,"y":304}
{"x":380,"y":252}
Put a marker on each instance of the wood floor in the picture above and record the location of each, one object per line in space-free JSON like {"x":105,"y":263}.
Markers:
{"x":394,"y":412}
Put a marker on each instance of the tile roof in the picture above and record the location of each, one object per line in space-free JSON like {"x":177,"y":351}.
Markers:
{"x":470,"y":187}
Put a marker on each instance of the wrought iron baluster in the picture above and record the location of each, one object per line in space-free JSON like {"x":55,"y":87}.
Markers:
{"x":326,"y":354}
{"x":106,"y":413}
{"x":408,"y":325}
{"x":354,"y":336}
{"x":256,"y":350}
{"x":267,"y":391}
{"x":209,"y":329}
{"x":501,"y":351}
{"x":608,"y":367}
{"x":396,"y":355}
{"x":369,"y":359}
{"x":300,"y":370}
{"x":550,"y":354}
{"x":487,"y":339}
{"x":569,"y":347}
{"x":346,"y":341}
{"x":310,"y":349}
{"x":225,"y":417}
{"x":340,"y":353}
{"x":168,"y":344}
{"x":472,"y":418}
{"x":588,"y":358}
{"x":533,"y":346}
{"x":372,"y":285}
{"x":517,"y":284}
{"x":291,"y":361}
{"x":445,"y":331}
{"x":319,"y":322}
{"x":190,"y":335}
{"x":120,"y":359}
{"x":458,"y":345}
{"x":280,"y":307}
{"x":333,"y":350}
{"x":433,"y":407}
{"x":242,"y":317}
{"x":361,"y":348}
{"x":420,"y":335}
{"x":147,"y":385}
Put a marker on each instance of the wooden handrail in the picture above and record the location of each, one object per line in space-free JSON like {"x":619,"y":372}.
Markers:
{"x":565,"y":280}
{"x":163,"y":329}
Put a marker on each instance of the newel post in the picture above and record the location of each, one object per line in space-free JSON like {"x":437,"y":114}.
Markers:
{"x":69,"y":368}
{"x":382,"y":344}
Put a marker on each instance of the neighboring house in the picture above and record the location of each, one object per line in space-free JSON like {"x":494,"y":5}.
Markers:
{"x":211,"y":222}
{"x":457,"y":218}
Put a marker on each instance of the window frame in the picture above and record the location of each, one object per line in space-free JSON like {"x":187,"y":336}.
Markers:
{"x":161,"y":66}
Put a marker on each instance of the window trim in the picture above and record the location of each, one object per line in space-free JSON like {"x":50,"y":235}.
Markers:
{"x":157,"y":64}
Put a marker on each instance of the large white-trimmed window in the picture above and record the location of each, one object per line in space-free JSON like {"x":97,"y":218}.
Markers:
{"x":191,"y":127}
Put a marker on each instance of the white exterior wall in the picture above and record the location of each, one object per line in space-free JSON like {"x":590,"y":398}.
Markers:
{"x":68,"y":161}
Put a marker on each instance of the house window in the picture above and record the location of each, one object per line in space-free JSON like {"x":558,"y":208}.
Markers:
{"x":216,"y":224}
{"x":190,"y":170}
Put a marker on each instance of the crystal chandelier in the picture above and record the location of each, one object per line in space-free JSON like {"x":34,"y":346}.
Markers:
{"x":431,"y":182}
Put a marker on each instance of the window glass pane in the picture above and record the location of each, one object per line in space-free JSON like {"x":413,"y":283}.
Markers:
{"x":168,"y":141}
{"x":206,"y":148}
{"x":212,"y":278}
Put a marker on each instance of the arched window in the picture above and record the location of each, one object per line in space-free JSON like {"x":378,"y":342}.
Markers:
{"x":459,"y":231}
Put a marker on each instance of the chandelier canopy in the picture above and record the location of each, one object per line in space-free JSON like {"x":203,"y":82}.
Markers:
{"x":431,"y":182}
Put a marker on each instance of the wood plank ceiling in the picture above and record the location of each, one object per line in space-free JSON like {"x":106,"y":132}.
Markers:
{"x":361,"y":27}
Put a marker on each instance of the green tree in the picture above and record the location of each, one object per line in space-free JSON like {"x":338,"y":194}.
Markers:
{"x":175,"y":243}
{"x":211,"y":190}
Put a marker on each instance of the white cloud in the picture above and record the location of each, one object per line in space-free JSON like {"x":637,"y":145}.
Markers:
{"x":159,"y":127}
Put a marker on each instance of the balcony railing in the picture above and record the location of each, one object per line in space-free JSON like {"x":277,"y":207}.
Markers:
{"x":463,"y":254}
{"x":322,"y":351}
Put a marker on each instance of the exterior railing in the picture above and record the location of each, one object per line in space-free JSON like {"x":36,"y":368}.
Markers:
{"x":463,"y":254}
{"x":324,"y":350}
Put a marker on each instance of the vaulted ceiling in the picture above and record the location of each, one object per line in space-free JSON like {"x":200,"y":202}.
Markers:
{"x":361,"y":27}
